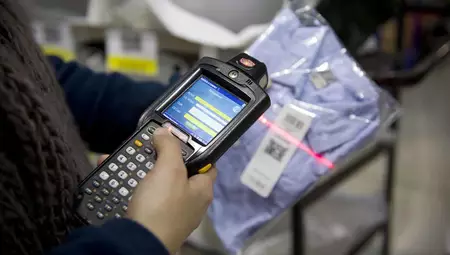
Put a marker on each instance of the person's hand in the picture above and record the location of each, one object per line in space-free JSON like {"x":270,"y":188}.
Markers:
{"x":166,"y":202}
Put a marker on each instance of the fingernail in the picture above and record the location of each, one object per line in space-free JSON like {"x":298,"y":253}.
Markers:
{"x":162,"y":131}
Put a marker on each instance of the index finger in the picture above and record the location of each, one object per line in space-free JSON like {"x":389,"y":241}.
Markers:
{"x":212,"y":173}
{"x":202,"y":185}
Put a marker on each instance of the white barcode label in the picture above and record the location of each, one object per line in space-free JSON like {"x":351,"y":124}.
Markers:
{"x":55,"y":39}
{"x":131,"y":41}
{"x":132,"y":52}
{"x":276,"y":150}
{"x":53,"y":35}
{"x":294,"y":121}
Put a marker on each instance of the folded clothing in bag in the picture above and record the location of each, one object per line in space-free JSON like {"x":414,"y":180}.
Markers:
{"x":323,"y":108}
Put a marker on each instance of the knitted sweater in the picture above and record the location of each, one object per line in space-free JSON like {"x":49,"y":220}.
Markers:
{"x":42,"y":156}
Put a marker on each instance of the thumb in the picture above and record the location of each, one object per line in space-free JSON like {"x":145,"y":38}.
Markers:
{"x":168,"y":149}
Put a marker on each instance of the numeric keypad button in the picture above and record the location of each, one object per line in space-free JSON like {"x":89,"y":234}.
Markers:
{"x":108,"y":208}
{"x":104,"y":175}
{"x":145,"y":137}
{"x":141,"y":174}
{"x":100,"y":215}
{"x":148,"y":150}
{"x":98,"y":199}
{"x":88,"y":191}
{"x":130,"y":150}
{"x":132,"y":182}
{"x":95,"y":183}
{"x":132,"y":166}
{"x":105,"y":191}
{"x":113,"y":167}
{"x":117,"y":216}
{"x":121,"y":158}
{"x":123,"y":175}
{"x":113,"y":183}
{"x":123,"y":191}
{"x":149,"y":165}
{"x":115,"y":200}
{"x":151,"y":130}
{"x":140,"y":158}
{"x":90,"y":206}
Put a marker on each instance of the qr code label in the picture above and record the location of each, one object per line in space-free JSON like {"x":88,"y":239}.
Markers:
{"x":131,"y":41}
{"x":52,"y":34}
{"x":275,"y":150}
{"x":294,"y":122}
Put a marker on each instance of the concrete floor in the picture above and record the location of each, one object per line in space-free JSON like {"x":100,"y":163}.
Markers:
{"x":423,"y":171}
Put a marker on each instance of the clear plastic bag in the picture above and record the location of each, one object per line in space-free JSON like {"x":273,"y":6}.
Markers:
{"x":324,"y":108}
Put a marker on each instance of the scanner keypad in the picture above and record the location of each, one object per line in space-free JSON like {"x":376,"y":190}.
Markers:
{"x":107,"y":193}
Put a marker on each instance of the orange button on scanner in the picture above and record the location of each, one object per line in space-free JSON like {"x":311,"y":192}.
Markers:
{"x":205,"y":169}
{"x":138,"y":143}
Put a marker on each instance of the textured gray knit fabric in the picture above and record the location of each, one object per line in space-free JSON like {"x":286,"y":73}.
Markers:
{"x":41,"y":153}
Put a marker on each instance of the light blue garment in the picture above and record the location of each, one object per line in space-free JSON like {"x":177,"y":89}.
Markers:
{"x":347,"y":114}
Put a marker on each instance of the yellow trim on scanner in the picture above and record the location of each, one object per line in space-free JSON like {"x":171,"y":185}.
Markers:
{"x":200,"y":124}
{"x":62,"y":53}
{"x":132,"y":65}
{"x":212,"y":108}
{"x":205,"y":169}
{"x":138,"y":143}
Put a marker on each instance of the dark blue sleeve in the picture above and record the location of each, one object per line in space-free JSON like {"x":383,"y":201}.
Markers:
{"x":117,"y":237}
{"x":106,"y":107}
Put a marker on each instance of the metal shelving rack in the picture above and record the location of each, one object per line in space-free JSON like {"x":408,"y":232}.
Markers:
{"x":384,"y":144}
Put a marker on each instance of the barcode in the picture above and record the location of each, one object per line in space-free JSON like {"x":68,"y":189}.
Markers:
{"x":131,"y":41}
{"x":257,"y":183}
{"x":275,"y":150}
{"x":52,"y":34}
{"x":293,"y":121}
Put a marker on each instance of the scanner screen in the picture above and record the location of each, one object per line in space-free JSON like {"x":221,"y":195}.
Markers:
{"x":204,"y":109}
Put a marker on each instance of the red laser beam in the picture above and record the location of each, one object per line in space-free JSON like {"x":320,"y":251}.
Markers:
{"x":296,"y":142}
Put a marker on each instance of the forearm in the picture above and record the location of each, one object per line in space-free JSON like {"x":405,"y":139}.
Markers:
{"x":106,"y":107}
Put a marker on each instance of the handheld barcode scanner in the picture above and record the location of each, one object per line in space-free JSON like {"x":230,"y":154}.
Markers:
{"x":208,"y":109}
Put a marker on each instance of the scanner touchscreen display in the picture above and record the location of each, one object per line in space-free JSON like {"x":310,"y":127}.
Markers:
{"x":204,"y":109}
